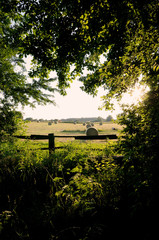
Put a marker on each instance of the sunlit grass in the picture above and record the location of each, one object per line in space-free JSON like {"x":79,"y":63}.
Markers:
{"x":69,"y":128}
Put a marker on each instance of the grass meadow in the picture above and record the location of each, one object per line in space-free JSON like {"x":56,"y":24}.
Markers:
{"x":69,"y":128}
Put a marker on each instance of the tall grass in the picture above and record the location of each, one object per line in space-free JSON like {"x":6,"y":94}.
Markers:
{"x":78,"y":193}
{"x":57,"y":197}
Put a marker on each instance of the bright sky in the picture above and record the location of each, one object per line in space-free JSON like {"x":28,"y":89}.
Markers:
{"x":77,"y":104}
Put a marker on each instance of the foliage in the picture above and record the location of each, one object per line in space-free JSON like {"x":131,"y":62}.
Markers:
{"x":10,"y":122}
{"x":61,"y":197}
{"x":78,"y":193}
{"x":14,"y":87}
{"x":81,"y":192}
{"x":140,"y":144}
{"x":70,"y":36}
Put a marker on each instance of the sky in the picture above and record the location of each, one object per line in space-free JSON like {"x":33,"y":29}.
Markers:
{"x":77,"y":104}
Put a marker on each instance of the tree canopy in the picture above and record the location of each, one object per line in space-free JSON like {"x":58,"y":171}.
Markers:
{"x":14,"y":87}
{"x":71,"y":36}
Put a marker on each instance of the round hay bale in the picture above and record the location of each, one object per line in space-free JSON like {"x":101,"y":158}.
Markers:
{"x":88,"y":126}
{"x":91,"y":131}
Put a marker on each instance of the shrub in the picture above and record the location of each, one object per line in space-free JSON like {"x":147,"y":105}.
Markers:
{"x":10,"y":122}
{"x":140,"y":144}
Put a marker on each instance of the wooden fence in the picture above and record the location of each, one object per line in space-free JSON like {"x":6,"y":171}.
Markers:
{"x":51,"y":139}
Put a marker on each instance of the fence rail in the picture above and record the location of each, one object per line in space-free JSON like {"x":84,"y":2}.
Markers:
{"x":51,"y":139}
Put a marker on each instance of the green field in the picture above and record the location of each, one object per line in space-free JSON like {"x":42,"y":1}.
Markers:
{"x":64,"y":129}
{"x":69,"y":129}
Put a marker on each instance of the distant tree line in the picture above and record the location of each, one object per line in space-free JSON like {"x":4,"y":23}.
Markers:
{"x":73,"y":120}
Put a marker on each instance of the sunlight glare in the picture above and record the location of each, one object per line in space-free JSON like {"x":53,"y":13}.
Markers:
{"x":135,"y":95}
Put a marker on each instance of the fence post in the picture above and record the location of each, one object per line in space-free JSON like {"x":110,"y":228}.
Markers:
{"x":51,"y":143}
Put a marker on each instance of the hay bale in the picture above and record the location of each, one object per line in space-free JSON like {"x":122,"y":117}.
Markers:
{"x":92,"y":131}
{"x":88,"y":126}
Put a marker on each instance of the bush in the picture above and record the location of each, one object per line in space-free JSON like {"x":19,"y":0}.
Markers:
{"x":10,"y":122}
{"x":140,"y":144}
